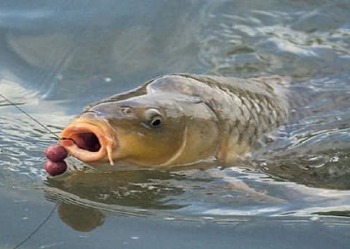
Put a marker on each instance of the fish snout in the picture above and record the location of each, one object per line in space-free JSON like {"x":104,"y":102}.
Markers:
{"x":91,"y":141}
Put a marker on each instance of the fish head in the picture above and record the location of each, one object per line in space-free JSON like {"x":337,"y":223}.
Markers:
{"x":149,"y":130}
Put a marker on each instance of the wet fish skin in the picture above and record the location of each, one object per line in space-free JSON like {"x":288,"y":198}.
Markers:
{"x":189,"y":133}
{"x":245,"y":108}
{"x":205,"y":117}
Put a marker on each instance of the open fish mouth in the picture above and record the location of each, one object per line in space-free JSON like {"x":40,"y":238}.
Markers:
{"x":89,"y":141}
{"x":85,"y":141}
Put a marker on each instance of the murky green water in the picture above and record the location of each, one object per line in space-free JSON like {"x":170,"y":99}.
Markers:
{"x":58,"y":56}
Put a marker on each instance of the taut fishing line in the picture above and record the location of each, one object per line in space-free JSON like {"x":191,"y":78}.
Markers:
{"x":54,"y":208}
{"x":29,"y":116}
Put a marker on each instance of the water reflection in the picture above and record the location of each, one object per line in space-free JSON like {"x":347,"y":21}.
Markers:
{"x":145,"y":189}
{"x":80,"y":218}
{"x":84,"y":197}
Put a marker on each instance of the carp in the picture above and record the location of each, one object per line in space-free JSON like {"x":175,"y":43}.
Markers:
{"x":178,"y":119}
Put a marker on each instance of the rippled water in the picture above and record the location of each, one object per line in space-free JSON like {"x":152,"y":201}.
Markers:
{"x":58,"y":56}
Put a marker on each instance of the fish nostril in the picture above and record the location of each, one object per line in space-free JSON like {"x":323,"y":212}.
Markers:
{"x":126,"y":110}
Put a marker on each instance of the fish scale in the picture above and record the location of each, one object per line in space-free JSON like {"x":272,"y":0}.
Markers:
{"x":272,"y":110}
{"x":230,"y":94}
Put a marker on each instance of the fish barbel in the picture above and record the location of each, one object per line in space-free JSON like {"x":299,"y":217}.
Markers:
{"x":178,"y":119}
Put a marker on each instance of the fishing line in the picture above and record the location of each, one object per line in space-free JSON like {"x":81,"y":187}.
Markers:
{"x":55,"y":207}
{"x":29,"y":116}
{"x":37,"y":228}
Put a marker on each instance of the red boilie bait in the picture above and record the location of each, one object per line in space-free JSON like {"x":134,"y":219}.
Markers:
{"x":55,"y":165}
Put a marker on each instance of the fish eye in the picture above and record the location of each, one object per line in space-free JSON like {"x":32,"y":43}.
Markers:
{"x":156,"y":122}
{"x":153,"y":118}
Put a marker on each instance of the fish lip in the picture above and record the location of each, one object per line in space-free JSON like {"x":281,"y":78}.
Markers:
{"x":72,"y":133}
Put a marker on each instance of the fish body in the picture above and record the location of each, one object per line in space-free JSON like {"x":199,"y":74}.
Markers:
{"x":178,"y":119}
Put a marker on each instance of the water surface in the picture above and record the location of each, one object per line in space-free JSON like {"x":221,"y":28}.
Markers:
{"x":58,"y":56}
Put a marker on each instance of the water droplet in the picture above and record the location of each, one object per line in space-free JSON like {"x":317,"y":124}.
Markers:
{"x":108,"y":79}
{"x":334,"y":159}
{"x":314,"y":218}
